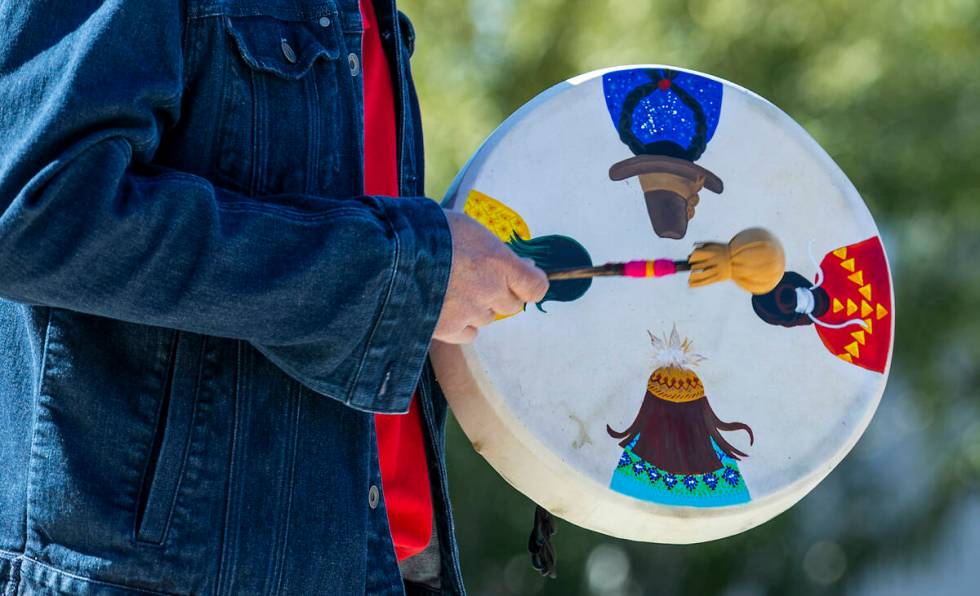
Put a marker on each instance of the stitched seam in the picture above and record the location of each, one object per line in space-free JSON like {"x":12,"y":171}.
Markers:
{"x":34,"y":422}
{"x":313,"y":136}
{"x":154,"y":453}
{"x":259,"y":9}
{"x":94,"y":581}
{"x":256,"y":118}
{"x":227,"y":560}
{"x":429,"y":415}
{"x":382,"y":310}
{"x":294,"y":435}
{"x":290,"y":213}
{"x":189,"y":441}
{"x":223,"y":105}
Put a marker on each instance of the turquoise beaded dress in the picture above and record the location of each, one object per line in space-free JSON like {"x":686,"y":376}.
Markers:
{"x":638,"y":478}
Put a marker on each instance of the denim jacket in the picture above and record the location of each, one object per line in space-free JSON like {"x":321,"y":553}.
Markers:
{"x":199,"y":309}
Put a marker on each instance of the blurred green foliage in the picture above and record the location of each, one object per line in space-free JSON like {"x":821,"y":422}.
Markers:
{"x":891,"y":89}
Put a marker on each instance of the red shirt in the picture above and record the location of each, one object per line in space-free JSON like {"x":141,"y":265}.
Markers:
{"x":404,"y":470}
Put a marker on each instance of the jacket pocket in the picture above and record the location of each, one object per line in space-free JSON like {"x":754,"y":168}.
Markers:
{"x":283,"y":101}
{"x":281,"y":48}
{"x":168,"y":452}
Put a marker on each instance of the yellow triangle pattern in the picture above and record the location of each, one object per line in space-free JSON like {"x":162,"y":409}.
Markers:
{"x":846,"y":358}
{"x":841,"y":253}
{"x":866,"y":292}
{"x":865,"y":308}
{"x":838,"y":306}
{"x":867,"y":322}
{"x":859,"y":336}
{"x":851,"y":307}
{"x":848,"y":264}
{"x":852,"y":349}
{"x":880,"y":311}
{"x":857,"y":278}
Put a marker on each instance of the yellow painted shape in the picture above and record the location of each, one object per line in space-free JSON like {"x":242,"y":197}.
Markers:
{"x":880,"y":311}
{"x":846,"y":358}
{"x":859,"y":336}
{"x":867,"y":323}
{"x":865,"y":308}
{"x":851,"y":307}
{"x":848,"y":264}
{"x":852,"y":349}
{"x":866,"y":291}
{"x":857,"y":278}
{"x":841,"y":253}
{"x":504,"y":222}
{"x":838,"y":306}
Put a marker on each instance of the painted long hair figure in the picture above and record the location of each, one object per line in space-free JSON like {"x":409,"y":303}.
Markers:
{"x":674,"y":452}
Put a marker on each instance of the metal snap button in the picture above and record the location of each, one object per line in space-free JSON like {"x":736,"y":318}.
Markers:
{"x":287,"y":51}
{"x":373,"y":497}
{"x":324,"y":21}
{"x":355,"y":64}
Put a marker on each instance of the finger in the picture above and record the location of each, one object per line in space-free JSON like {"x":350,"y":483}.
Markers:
{"x":527,"y":282}
{"x":463,"y":335}
{"x":701,"y":278}
{"x":508,"y":304}
{"x":467,"y":335}
{"x":699,"y":255}
{"x":484,"y":318}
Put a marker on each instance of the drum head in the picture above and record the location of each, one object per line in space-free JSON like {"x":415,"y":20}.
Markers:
{"x":644,"y":408}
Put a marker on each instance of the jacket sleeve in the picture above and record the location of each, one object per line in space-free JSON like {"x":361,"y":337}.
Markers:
{"x":342,"y":294}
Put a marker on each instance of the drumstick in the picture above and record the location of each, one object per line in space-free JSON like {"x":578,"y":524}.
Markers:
{"x":654,"y":268}
{"x":753,"y":259}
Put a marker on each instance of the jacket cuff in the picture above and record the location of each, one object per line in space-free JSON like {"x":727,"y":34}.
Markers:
{"x":399,"y":342}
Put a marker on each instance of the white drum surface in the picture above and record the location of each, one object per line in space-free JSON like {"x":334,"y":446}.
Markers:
{"x":536,"y":392}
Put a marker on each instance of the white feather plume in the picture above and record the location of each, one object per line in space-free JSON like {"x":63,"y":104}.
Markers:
{"x":671,"y":351}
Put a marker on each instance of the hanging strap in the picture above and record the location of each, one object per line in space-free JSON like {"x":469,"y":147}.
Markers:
{"x":539,"y":544}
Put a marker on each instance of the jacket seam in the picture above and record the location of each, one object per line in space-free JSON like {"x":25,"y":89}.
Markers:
{"x":226,"y":558}
{"x":215,"y":9}
{"x":396,"y":257}
{"x":190,"y":438}
{"x":34,"y":422}
{"x":90,"y":580}
{"x":293,"y":214}
{"x":153,"y":455}
{"x":293,"y":398}
{"x":426,"y":388}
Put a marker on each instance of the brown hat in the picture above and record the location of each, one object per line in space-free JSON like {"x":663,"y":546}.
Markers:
{"x":648,"y":164}
{"x":670,"y":186}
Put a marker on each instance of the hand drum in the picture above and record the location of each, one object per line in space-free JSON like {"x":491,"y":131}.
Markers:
{"x":669,"y":410}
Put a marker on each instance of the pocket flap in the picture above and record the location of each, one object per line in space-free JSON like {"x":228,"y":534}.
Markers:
{"x":286,"y":49}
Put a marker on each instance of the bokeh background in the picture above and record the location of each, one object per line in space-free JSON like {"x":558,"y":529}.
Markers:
{"x":891,"y":89}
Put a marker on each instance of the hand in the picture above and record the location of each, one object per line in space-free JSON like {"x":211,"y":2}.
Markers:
{"x":487,"y":279}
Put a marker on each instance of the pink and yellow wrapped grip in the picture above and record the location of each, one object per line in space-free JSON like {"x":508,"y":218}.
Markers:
{"x":654,"y":268}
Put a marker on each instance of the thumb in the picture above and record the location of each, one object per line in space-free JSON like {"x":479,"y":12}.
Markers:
{"x":527,"y":281}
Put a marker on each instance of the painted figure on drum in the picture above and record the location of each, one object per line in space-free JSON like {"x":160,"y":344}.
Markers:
{"x":666,"y":118}
{"x":548,"y":252}
{"x":674,"y":452}
{"x":849,"y":304}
